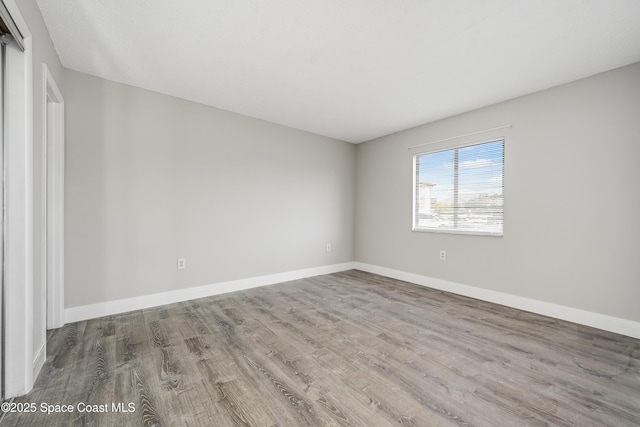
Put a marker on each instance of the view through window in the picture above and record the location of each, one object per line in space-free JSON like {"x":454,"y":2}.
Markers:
{"x":460,"y":190}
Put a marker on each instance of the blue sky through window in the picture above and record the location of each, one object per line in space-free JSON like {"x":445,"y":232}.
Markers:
{"x":480,"y":172}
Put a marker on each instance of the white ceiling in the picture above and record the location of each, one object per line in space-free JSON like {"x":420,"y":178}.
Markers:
{"x":353,"y":70}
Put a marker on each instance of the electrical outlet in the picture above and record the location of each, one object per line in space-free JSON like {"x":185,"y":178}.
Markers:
{"x":329,"y":248}
{"x":443,"y":255}
{"x":182,"y":263}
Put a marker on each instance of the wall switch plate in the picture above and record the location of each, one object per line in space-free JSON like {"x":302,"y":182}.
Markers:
{"x":182,"y":263}
{"x":443,"y":254}
{"x":329,"y":247}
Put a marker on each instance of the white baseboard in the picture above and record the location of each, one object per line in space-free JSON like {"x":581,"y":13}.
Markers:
{"x":583,"y":317}
{"x":92,"y":311}
{"x":38,"y":360}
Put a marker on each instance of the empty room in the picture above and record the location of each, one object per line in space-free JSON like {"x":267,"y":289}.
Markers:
{"x":320,"y":213}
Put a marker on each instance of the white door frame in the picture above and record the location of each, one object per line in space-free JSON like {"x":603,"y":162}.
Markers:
{"x":2,"y":218}
{"x":53,"y":144}
{"x":18,"y":309}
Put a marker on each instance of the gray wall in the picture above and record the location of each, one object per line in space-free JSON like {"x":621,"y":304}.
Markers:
{"x":151,"y":178}
{"x":572,"y":199}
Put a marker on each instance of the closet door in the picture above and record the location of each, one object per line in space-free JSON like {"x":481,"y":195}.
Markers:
{"x":2,"y":46}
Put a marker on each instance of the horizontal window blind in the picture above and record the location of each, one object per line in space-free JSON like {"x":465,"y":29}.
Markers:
{"x":460,"y":190}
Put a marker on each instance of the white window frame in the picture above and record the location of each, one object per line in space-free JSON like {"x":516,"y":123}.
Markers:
{"x":454,"y":229}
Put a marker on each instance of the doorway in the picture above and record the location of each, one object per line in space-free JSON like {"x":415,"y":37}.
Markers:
{"x":53,"y":201}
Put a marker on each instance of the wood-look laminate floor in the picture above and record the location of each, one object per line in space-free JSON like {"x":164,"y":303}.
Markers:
{"x":346,"y":349}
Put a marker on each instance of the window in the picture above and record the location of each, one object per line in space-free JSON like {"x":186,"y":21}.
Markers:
{"x":460,"y":190}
